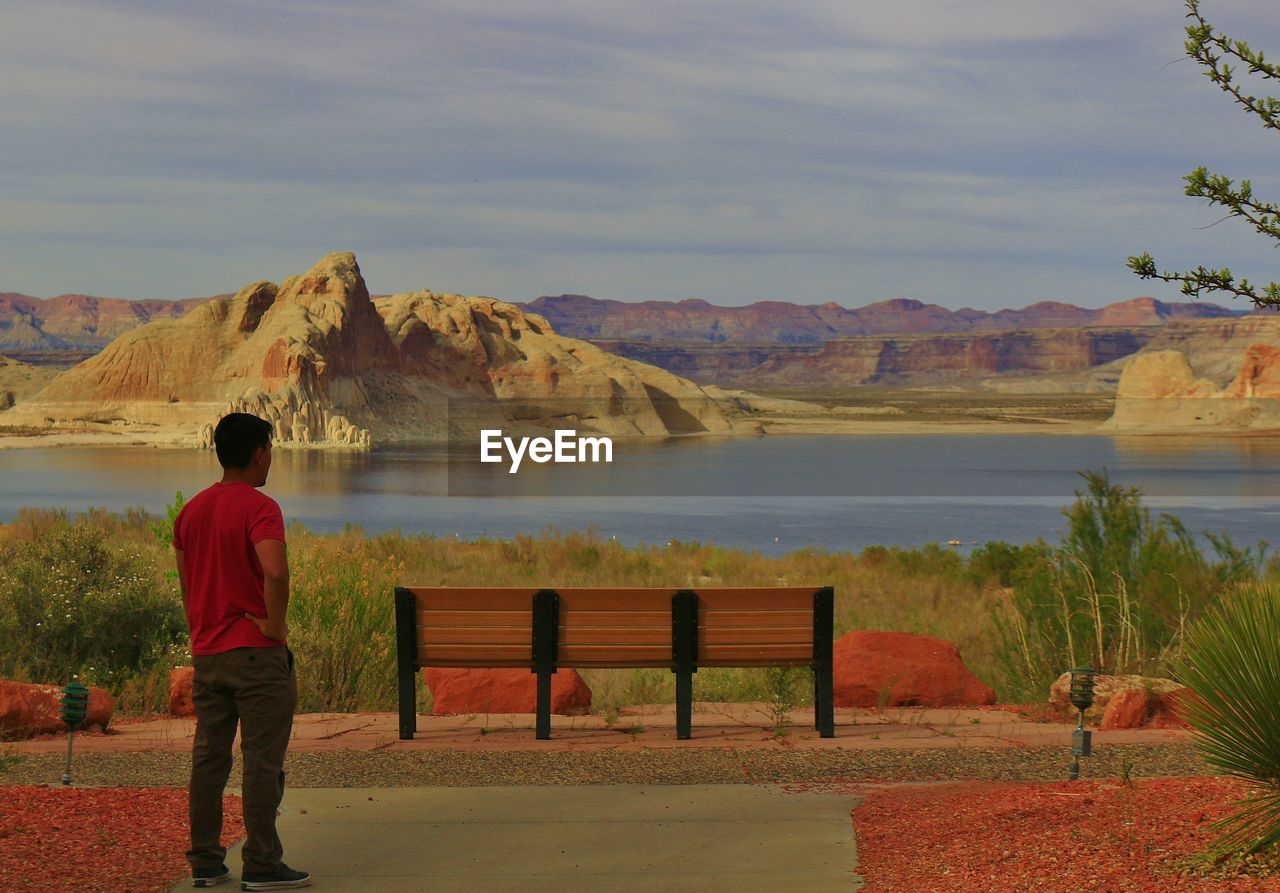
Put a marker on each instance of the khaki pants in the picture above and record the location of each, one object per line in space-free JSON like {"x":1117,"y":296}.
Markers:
{"x":256,"y":688}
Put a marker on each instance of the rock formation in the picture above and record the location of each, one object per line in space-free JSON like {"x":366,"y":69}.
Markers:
{"x":780,"y":322}
{"x":180,"y":681}
{"x":20,"y":380}
{"x":27,"y":709}
{"x":1174,"y":389}
{"x":315,"y":357}
{"x":887,"y":669}
{"x":1124,"y":702}
{"x":892,"y":359}
{"x":481,"y":350}
{"x":456,"y":691}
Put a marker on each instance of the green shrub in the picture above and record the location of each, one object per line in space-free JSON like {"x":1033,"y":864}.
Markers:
{"x":1116,"y":593}
{"x":71,"y":604}
{"x":1231,"y":662}
{"x":1004,"y":564}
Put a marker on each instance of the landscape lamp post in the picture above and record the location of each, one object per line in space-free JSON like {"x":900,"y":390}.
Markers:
{"x":75,"y":708}
{"x":1082,"y":699}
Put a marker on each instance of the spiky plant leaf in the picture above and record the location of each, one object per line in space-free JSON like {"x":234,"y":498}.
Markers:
{"x":1231,"y":663}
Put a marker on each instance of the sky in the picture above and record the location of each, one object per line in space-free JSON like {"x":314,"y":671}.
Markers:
{"x":984,"y":153}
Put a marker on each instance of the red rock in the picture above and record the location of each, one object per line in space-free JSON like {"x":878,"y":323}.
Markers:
{"x":1127,"y":709}
{"x":1168,"y":710}
{"x":899,"y":670}
{"x":27,"y":709}
{"x":1105,"y":688}
{"x":180,"y":679}
{"x":503,"y":691}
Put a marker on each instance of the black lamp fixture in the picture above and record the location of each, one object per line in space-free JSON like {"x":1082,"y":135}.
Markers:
{"x":74,"y":711}
{"x":1082,"y":699}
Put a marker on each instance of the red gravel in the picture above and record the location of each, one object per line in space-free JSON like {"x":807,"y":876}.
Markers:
{"x":101,"y":839}
{"x":1050,"y":837}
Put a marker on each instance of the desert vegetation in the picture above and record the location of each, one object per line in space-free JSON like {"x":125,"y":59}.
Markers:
{"x":94,"y":596}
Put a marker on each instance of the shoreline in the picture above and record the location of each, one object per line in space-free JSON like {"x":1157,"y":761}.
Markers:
{"x":769,"y":427}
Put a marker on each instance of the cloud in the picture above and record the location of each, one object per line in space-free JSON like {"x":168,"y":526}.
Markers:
{"x":956,"y":152}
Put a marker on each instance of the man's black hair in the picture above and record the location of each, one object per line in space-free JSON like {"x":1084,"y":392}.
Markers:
{"x":238,"y":434}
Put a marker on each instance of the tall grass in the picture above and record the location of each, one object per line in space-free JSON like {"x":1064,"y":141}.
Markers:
{"x":342,"y":625}
{"x":1116,"y":593}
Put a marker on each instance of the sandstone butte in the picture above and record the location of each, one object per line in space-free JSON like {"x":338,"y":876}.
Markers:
{"x":328,"y":367}
{"x":1191,"y":385}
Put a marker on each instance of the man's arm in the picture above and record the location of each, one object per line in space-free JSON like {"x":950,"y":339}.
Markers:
{"x":182,"y":578}
{"x":275,"y":590}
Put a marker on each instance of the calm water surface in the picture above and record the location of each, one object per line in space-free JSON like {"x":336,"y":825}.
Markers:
{"x":774,"y":494}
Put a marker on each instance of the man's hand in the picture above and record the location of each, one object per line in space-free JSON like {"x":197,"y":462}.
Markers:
{"x":270,"y":629}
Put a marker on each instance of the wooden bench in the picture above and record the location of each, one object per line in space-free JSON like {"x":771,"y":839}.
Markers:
{"x":544,"y":629}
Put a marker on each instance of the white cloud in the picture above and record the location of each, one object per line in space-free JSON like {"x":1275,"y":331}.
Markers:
{"x":736,"y":150}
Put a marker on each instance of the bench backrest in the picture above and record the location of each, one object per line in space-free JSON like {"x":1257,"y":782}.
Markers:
{"x":622,"y":627}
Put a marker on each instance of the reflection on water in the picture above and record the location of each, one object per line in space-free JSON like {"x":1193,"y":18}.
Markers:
{"x":770,"y":493}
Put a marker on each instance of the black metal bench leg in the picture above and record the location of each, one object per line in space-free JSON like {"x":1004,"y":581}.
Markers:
{"x":543,"y":729}
{"x":546,"y":650}
{"x":684,"y":657}
{"x":684,"y":704}
{"x":824,"y":719}
{"x":407,"y":662}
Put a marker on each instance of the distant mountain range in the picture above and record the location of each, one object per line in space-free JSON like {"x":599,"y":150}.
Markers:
{"x":782,"y":322}
{"x":85,"y":322}
{"x":76,"y":322}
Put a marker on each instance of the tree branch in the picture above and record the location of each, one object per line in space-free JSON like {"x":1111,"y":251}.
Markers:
{"x":1200,"y":280}
{"x":1208,"y":49}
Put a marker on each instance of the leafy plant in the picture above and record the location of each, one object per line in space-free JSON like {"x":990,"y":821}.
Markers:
{"x":163,"y":530}
{"x":781,"y":686}
{"x":73,"y":604}
{"x":1231,"y":662}
{"x":1222,"y":58}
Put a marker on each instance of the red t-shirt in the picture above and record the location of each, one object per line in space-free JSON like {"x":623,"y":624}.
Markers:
{"x":216,"y":533}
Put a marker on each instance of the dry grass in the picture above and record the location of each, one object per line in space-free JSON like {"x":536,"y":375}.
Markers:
{"x":342,"y":619}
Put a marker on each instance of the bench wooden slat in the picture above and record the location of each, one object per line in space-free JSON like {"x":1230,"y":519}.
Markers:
{"x":572,"y":617}
{"x":708,"y":655}
{"x":749,"y":662}
{"x":447,"y":598}
{"x":652,"y":655}
{"x":476,"y":618}
{"x":475,"y":635}
{"x":476,"y":656}
{"x":620,"y":635}
{"x":753,"y":619}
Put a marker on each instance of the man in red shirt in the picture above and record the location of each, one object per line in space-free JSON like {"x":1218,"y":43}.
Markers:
{"x":234,"y":573}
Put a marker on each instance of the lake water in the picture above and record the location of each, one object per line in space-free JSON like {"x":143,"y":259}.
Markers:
{"x":774,"y":494}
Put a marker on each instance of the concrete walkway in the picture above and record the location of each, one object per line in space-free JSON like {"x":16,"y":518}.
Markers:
{"x":664,"y":839}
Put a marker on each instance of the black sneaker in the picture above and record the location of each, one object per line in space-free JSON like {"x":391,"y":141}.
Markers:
{"x":282,"y":879}
{"x":210,"y":877}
